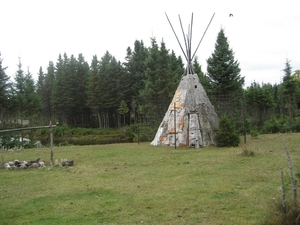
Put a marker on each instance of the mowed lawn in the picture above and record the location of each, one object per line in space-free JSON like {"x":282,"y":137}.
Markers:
{"x":143,"y":184}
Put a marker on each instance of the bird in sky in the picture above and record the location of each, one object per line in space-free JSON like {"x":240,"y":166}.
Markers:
{"x":230,"y":15}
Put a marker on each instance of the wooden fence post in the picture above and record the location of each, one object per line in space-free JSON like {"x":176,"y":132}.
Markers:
{"x":294,"y":187}
{"x":51,"y":143}
{"x":283,"y":192}
{"x":175,"y":122}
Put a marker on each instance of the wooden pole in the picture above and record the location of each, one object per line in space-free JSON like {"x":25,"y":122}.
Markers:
{"x":244,"y":113}
{"x":283,"y":192}
{"x":175,"y":123}
{"x":200,"y":129}
{"x":188,"y":131}
{"x":51,"y":143}
{"x":25,"y":128}
{"x":139,"y":118}
{"x":294,"y":187}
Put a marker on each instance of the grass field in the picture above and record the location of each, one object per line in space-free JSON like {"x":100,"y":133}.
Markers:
{"x":142,"y":184}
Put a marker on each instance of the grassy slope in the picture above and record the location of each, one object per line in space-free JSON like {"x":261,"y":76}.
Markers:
{"x":131,"y":183}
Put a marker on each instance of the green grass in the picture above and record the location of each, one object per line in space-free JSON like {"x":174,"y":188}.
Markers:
{"x":142,"y":184}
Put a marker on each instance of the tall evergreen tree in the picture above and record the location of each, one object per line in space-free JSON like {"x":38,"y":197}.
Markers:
{"x":32,"y":98}
{"x":176,"y":66}
{"x":40,"y":86}
{"x":135,"y":67}
{"x":224,"y":74}
{"x":296,"y":76}
{"x":4,"y":88}
{"x":259,"y":100}
{"x":81,"y":79}
{"x":223,"y":70}
{"x":19,"y":89}
{"x":94,"y":89}
{"x":63,"y":90}
{"x":289,"y":89}
{"x":159,"y":84}
{"x":150,"y":94}
{"x":47,"y":105}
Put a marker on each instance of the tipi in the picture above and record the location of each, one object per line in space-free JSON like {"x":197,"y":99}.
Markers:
{"x":190,"y":119}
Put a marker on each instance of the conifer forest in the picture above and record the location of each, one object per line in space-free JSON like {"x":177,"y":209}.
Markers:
{"x":106,"y":93}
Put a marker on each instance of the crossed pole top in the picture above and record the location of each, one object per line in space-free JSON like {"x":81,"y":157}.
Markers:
{"x":188,"y":43}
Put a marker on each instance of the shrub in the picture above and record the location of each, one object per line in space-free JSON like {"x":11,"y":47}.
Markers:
{"x":65,"y":143}
{"x":60,"y":130}
{"x":227,"y":135}
{"x":254,"y":132}
{"x":274,"y":125}
{"x":140,"y":132}
{"x":295,"y":126}
{"x":276,"y":215}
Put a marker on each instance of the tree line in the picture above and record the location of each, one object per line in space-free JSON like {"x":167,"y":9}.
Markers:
{"x":107,"y":93}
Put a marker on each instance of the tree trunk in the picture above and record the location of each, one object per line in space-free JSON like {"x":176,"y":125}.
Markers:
{"x":99,"y":119}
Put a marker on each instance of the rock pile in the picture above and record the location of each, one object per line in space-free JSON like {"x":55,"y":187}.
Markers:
{"x":24,"y":164}
{"x":67,"y":162}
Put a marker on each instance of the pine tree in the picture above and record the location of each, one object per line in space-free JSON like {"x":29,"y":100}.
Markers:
{"x":19,"y":88}
{"x":63,"y":89}
{"x":259,"y":100}
{"x":176,"y":66}
{"x":135,"y":67}
{"x":94,"y":89}
{"x":289,"y":89}
{"x":4,"y":88}
{"x":81,"y":110}
{"x":47,"y":106}
{"x":161,"y":80}
{"x":224,"y":74}
{"x":32,"y":98}
{"x":155,"y":94}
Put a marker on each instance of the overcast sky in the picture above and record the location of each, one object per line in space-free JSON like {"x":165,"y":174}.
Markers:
{"x":262,"y":34}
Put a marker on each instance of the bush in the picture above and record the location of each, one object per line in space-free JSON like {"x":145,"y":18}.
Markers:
{"x":274,"y":125}
{"x":60,"y":130}
{"x":227,"y":135}
{"x":277,"y":216}
{"x":65,"y":143}
{"x":295,"y":126}
{"x":254,"y":132}
{"x":140,"y":132}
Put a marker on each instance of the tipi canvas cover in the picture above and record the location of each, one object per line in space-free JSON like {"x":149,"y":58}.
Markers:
{"x":190,"y":119}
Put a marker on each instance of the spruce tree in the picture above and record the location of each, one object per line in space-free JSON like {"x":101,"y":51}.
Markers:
{"x":94,"y":89}
{"x":289,"y":89}
{"x":159,"y":84}
{"x":19,"y":89}
{"x":80,"y":83}
{"x":32,"y":98}
{"x":47,"y":96}
{"x":224,"y":75}
{"x":135,"y":67}
{"x":4,"y":86}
